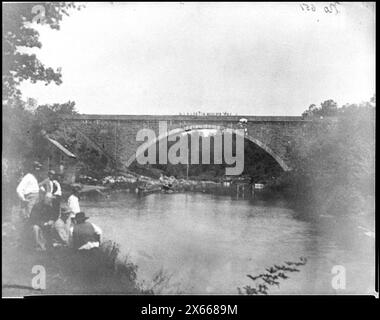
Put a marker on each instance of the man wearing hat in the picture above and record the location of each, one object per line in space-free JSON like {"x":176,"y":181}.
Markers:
{"x":28,"y":189}
{"x":47,"y":184}
{"x":85,"y":235}
{"x":53,"y":192}
{"x":62,"y":227}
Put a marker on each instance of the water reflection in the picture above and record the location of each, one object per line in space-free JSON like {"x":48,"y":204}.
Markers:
{"x":208,"y":244}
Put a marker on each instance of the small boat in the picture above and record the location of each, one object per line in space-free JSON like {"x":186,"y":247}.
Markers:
{"x":145,"y":191}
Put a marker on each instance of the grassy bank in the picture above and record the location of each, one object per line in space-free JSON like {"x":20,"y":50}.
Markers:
{"x":67,"y":272}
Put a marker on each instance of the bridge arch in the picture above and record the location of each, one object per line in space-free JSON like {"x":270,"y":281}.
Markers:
{"x":260,"y":144}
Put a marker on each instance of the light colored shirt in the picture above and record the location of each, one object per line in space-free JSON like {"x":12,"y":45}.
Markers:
{"x":73,"y":204}
{"x":28,"y":184}
{"x":63,"y":229}
{"x":91,"y":244}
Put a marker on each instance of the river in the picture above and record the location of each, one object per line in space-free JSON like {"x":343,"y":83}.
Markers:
{"x":198,"y":243}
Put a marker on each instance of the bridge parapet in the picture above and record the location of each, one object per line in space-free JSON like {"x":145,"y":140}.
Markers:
{"x":236,"y":118}
{"x":116,"y":134}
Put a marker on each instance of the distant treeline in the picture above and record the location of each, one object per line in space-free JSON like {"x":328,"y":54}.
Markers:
{"x":334,"y":170}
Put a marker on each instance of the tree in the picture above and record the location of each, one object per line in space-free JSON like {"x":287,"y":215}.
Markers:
{"x":328,"y":108}
{"x":18,"y":33}
{"x":334,"y":168}
{"x":48,"y":116}
{"x":309,"y":112}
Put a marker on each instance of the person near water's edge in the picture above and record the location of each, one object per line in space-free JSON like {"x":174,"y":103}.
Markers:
{"x":52,"y":189}
{"x":51,"y":225}
{"x":46,"y":185}
{"x":57,"y":195}
{"x":77,"y":233}
{"x":42,"y":220}
{"x":73,"y":201}
{"x":28,"y":190}
{"x":85,"y":241}
{"x":85,"y":235}
{"x":62,"y":228}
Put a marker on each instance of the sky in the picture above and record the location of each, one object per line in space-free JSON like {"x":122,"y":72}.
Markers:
{"x":244,"y":58}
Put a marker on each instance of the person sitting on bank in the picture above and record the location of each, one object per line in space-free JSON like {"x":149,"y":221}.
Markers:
{"x":85,"y":235}
{"x":28,"y":190}
{"x":73,"y":200}
{"x":62,"y":228}
{"x":42,"y":219}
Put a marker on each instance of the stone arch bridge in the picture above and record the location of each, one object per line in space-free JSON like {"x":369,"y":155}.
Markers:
{"x":115,"y":135}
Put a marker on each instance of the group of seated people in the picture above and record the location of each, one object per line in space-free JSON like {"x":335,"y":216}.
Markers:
{"x":65,"y":230}
{"x":54,"y":225}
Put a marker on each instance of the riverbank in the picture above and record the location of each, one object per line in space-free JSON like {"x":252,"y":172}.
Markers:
{"x":116,"y":276}
{"x":105,"y":273}
{"x":102,"y":188}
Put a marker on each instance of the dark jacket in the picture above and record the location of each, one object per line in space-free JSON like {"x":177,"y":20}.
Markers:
{"x":41,"y":213}
{"x":83,"y":233}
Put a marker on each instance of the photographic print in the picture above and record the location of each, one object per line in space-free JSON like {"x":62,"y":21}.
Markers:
{"x":188,"y":148}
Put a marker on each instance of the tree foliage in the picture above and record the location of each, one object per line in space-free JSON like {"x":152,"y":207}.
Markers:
{"x":20,"y":122}
{"x":18,"y":34}
{"x":334,"y":167}
{"x":328,"y":108}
